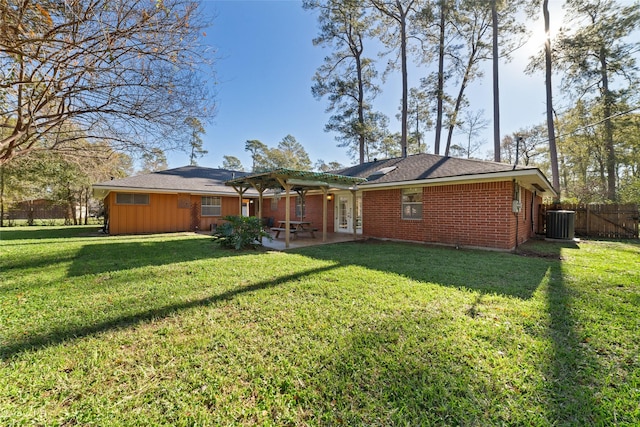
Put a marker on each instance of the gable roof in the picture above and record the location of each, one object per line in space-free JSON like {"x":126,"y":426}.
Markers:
{"x":431,"y":168}
{"x":186,"y":179}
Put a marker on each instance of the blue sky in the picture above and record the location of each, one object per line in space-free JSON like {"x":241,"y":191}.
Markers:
{"x":265,"y":69}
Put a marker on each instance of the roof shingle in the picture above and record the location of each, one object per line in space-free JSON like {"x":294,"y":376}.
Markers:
{"x":184,"y":179}
{"x":424,"y":166}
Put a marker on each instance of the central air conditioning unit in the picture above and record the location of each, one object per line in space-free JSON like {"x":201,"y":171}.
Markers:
{"x":561,"y":225}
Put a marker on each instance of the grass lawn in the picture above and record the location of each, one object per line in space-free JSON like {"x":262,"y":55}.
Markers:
{"x":172,"y":330}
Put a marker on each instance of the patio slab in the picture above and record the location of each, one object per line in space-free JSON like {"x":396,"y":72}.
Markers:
{"x":303,"y":241}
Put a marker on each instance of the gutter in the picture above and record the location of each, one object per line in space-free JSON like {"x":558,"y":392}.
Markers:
{"x":463,"y":179}
{"x":106,"y":190}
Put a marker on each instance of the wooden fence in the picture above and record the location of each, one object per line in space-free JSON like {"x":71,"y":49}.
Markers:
{"x":606,"y":221}
{"x":36,"y":209}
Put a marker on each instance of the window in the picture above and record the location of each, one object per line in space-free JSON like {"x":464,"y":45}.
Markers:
{"x":412,"y":203}
{"x":300,"y":207}
{"x":211,"y":206}
{"x":132,"y":199}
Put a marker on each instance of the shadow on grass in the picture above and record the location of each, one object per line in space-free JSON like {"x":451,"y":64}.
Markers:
{"x":446,"y":386}
{"x":375,"y":371}
{"x":112,"y":255}
{"x":395,"y":373}
{"x":572,"y":370}
{"x":39,"y":232}
{"x":108,"y":255}
{"x":62,"y":334}
{"x":483,"y":271}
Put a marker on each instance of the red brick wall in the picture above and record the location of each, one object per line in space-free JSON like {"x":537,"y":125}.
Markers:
{"x":528,"y":216}
{"x":477,"y":214}
{"x":313,"y":210}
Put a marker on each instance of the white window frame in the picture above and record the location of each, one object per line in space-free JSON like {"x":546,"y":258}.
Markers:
{"x":132,"y":198}
{"x":411,"y":204}
{"x":211,"y":206}
{"x":300,"y":208}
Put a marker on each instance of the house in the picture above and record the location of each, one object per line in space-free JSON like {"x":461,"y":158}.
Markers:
{"x":181,"y":199}
{"x":450,"y":201}
{"x":420,"y":198}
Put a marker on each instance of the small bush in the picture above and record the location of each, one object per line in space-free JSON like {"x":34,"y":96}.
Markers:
{"x":240,"y":232}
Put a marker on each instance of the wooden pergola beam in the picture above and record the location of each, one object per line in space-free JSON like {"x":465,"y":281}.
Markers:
{"x":301,"y":182}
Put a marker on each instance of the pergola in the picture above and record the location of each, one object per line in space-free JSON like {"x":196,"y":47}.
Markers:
{"x":301,"y":182}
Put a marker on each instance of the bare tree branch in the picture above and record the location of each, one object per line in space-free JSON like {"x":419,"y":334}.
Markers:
{"x":120,"y":71}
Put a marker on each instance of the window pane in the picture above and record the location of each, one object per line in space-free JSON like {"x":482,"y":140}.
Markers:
{"x":124,"y":198}
{"x":210,"y":211}
{"x":211,"y":206}
{"x":140,"y":199}
{"x":132,"y":199}
{"x":412,"y":203}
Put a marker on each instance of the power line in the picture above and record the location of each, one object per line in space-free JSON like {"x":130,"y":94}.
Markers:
{"x":590,"y":125}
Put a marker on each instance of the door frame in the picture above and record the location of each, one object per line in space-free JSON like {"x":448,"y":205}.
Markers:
{"x":343,"y":221}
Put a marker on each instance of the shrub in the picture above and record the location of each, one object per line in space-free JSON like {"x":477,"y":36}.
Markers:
{"x":240,"y":232}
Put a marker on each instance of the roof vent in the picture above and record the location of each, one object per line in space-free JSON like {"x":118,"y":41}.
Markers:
{"x":381,"y":172}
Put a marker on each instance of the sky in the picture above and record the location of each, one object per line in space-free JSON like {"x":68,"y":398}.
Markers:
{"x":266,"y":62}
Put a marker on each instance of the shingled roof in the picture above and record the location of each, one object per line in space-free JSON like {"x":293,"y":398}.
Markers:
{"x":186,"y":179}
{"x":422,"y":169}
{"x":430,"y":167}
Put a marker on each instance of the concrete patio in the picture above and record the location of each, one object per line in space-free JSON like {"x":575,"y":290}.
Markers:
{"x":306,"y":240}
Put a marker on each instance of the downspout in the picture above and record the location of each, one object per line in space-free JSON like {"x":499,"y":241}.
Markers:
{"x":533,"y":226}
{"x":354,"y":212}
{"x":516,"y":214}
{"x":513,"y":198}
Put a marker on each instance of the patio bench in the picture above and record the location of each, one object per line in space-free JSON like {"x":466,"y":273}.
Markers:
{"x":279,"y":229}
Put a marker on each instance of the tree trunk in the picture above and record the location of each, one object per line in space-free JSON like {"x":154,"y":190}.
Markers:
{"x":71,"y":211}
{"x":440,"y":93}
{"x":456,"y":109}
{"x":1,"y":195}
{"x":405,"y":89}
{"x":86,"y":206}
{"x":608,"y":129}
{"x":361,"y":137}
{"x":496,"y":91}
{"x":553,"y":153}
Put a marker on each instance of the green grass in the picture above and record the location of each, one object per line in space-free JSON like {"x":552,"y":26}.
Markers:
{"x":172,"y":330}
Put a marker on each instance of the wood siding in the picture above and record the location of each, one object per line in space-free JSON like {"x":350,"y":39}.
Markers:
{"x":165,"y":213}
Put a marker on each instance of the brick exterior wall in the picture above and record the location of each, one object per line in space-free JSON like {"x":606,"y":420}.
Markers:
{"x":475,"y":215}
{"x":313,"y":210}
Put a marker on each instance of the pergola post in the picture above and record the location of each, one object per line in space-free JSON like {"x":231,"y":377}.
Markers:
{"x":354,"y":216}
{"x":287,"y":214}
{"x":240,"y":190}
{"x":325,"y":192}
{"x":260,"y":189}
{"x":300,"y":181}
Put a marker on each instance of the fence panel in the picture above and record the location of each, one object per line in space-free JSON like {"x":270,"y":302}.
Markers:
{"x":607,"y":221}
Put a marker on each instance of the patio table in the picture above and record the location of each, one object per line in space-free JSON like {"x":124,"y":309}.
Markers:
{"x":295,"y":227}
